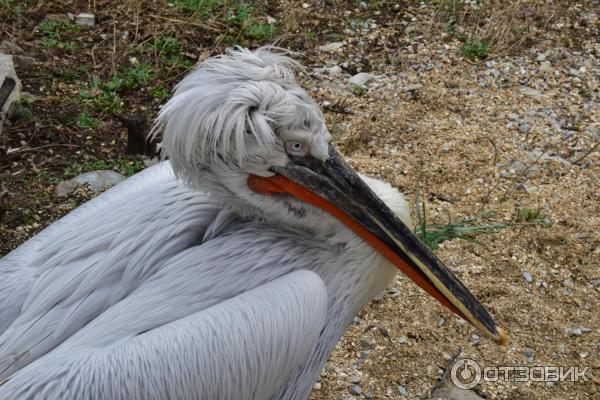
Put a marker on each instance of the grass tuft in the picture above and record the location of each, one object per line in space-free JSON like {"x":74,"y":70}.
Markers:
{"x":465,"y":228}
{"x":475,"y":49}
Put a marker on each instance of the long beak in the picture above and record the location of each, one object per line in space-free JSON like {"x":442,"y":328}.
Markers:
{"x":334,"y":187}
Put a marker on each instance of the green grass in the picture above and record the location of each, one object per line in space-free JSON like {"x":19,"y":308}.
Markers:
{"x":101,"y":97}
{"x":134,"y":78}
{"x":475,"y":49}
{"x":11,"y":7}
{"x":239,"y":17}
{"x":201,"y":8}
{"x":55,"y":34}
{"x":466,"y":228}
{"x":124,"y":165}
{"x":530,"y":215}
{"x":357,"y":89}
{"x":160,"y":92}
{"x":167,"y":50}
{"x":259,"y":32}
{"x":85,"y":120}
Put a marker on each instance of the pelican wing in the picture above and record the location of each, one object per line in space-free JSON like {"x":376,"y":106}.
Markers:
{"x":245,"y":347}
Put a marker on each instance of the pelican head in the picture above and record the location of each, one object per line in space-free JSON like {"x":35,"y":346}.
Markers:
{"x":242,"y":128}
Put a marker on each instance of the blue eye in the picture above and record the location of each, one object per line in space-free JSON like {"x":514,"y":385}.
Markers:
{"x":296,"y":148}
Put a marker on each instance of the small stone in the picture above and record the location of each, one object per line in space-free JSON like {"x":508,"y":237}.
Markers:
{"x":317,"y":386}
{"x":402,"y":340}
{"x":546,"y":67}
{"x":355,"y":390}
{"x":568,"y":282}
{"x":524,"y":127}
{"x":402,"y":391}
{"x":475,"y":340}
{"x":98,"y":180}
{"x":528,"y":352}
{"x":541,"y":57}
{"x":148,"y":162}
{"x":331,"y":47}
{"x":368,"y":395}
{"x":85,"y":19}
{"x":333,"y":71}
{"x":361,"y":79}
{"x":594,"y":283}
{"x":527,"y":277}
{"x":574,"y":331}
{"x":355,"y":378}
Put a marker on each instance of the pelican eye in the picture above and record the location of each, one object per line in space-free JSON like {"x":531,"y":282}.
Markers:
{"x":296,"y":148}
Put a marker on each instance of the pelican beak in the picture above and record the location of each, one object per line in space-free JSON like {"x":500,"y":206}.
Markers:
{"x":336,"y":188}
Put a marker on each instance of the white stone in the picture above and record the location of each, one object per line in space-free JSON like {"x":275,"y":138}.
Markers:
{"x":98,"y":180}
{"x":331,"y":47}
{"x":85,"y":19}
{"x":361,"y":79}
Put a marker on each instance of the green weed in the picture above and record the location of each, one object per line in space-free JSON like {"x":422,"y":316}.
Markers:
{"x":466,"y":228}
{"x":530,"y":215}
{"x":85,"y":120}
{"x":475,"y":49}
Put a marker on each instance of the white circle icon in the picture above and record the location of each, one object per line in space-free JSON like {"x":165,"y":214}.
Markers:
{"x":465,"y":374}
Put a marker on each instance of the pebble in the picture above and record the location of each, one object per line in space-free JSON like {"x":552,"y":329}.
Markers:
{"x":475,"y":340}
{"x":355,"y":378}
{"x":546,"y":67}
{"x":99,"y":180}
{"x":331,"y":47}
{"x":356,"y":390}
{"x":317,"y":386}
{"x":528,"y":352}
{"x":85,"y":19}
{"x":578,"y":330}
{"x":361,"y":79}
{"x":402,"y":391}
{"x":524,"y":127}
{"x":527,"y":277}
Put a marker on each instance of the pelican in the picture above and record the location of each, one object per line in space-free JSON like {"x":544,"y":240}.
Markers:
{"x":227,"y":271}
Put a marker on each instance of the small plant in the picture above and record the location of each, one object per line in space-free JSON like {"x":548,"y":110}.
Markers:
{"x":85,"y":120}
{"x":248,"y":27}
{"x":10,"y":7}
{"x":124,"y":165}
{"x":260,"y":32}
{"x":160,"y":92}
{"x":167,"y":50}
{"x":475,"y":49}
{"x":358,"y":89}
{"x":102,"y":97}
{"x":530,"y":215}
{"x":54,"y":33}
{"x":202,"y":8}
{"x":133,"y":78}
{"x":464,"y":228}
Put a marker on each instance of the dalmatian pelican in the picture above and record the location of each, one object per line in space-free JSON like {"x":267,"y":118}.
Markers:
{"x":227,"y":271}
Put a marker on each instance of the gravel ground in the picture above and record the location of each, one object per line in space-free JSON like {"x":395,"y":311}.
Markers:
{"x":509,"y":137}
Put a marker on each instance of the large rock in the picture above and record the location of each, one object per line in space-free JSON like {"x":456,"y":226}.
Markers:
{"x":7,"y":69}
{"x":98,"y":180}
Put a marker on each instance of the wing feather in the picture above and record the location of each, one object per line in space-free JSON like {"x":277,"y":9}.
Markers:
{"x":242,"y":348}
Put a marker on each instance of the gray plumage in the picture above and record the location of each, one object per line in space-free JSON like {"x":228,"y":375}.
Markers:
{"x":182,"y":283}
